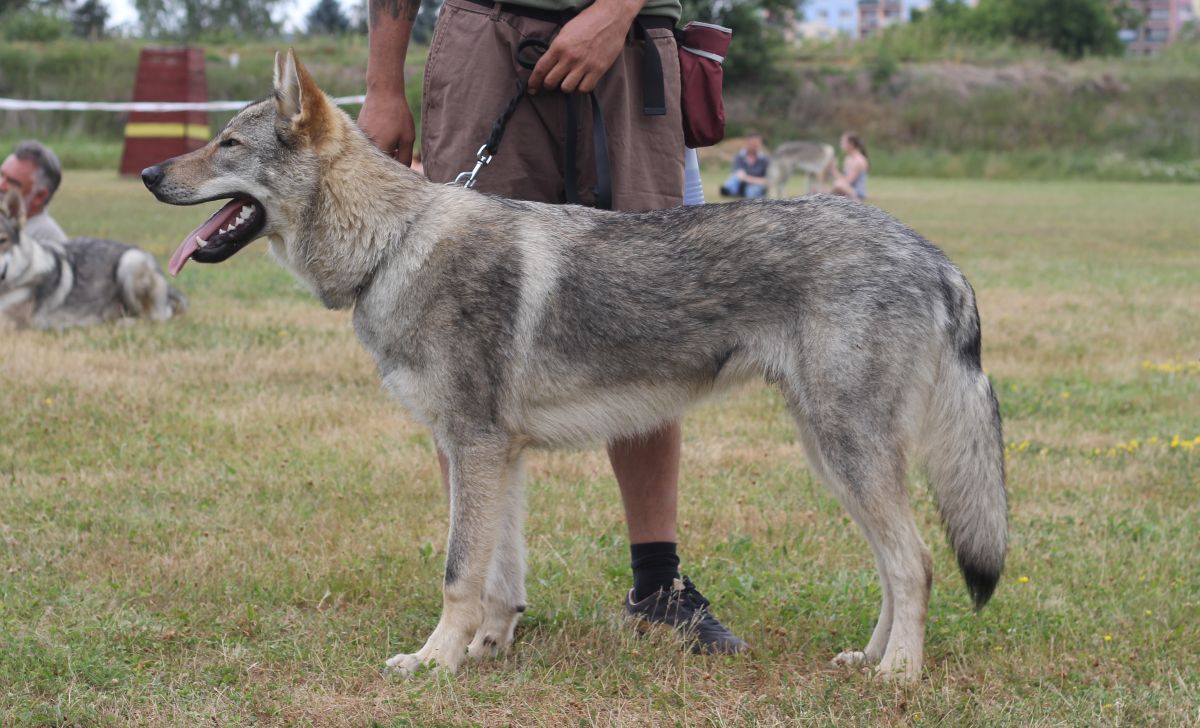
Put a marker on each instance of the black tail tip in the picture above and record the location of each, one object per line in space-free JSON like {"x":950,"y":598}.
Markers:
{"x":981,"y":582}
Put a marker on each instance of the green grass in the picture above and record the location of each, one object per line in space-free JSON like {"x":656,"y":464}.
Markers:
{"x":222,"y":520}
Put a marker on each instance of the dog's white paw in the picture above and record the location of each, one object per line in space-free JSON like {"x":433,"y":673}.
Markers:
{"x":403,"y":665}
{"x":851,"y":658}
{"x":898,"y":671}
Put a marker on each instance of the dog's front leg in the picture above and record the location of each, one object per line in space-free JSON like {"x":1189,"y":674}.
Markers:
{"x":478,"y":471}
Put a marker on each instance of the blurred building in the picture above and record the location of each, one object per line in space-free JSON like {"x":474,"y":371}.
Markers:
{"x":1163,"y":21}
{"x":829,"y":19}
{"x":874,"y":15}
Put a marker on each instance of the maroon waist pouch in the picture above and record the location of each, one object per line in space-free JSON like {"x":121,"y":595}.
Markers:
{"x":702,"y":49}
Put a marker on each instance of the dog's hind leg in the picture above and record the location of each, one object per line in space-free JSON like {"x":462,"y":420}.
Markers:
{"x":504,"y":592}
{"x":478,"y":481}
{"x":865,"y":468}
{"x":143,"y":288}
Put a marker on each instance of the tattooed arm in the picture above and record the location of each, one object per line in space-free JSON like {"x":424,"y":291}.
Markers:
{"x":385,"y":115}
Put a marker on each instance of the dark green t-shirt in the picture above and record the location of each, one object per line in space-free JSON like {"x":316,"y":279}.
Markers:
{"x":667,"y":8}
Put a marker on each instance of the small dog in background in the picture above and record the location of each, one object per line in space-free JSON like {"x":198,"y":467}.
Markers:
{"x":815,"y":160}
{"x":83,"y":282}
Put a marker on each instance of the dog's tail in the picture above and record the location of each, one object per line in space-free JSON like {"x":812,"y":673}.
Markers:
{"x":965,"y":451}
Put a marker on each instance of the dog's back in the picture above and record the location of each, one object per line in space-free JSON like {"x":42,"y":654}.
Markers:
{"x":102,"y":280}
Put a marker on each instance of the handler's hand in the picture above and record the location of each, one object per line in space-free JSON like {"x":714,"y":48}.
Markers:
{"x":585,"y":48}
{"x":388,"y":121}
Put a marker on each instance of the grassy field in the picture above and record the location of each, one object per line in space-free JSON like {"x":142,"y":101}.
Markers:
{"x":222,"y":520}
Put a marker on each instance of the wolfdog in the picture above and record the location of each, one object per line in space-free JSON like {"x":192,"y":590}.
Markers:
{"x":815,"y":160}
{"x":82,"y":282}
{"x":504,"y":324}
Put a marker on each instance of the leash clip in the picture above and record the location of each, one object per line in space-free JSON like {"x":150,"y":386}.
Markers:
{"x":467,"y":179}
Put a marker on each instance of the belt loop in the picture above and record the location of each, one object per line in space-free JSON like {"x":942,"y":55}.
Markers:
{"x":496,"y":8}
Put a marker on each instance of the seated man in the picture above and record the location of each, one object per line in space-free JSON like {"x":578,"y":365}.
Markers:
{"x":33,"y":170}
{"x":749,"y":178}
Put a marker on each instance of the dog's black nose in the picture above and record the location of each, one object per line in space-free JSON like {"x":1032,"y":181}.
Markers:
{"x":151,"y":176}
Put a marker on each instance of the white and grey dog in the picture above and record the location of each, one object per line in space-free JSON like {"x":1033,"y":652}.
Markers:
{"x":82,"y":282}
{"x":505,"y":324}
{"x":814,"y":159}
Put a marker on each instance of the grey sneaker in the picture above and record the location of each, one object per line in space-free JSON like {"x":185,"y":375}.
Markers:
{"x":684,"y":609}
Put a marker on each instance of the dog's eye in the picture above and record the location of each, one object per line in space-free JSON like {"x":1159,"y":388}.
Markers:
{"x":230,"y":142}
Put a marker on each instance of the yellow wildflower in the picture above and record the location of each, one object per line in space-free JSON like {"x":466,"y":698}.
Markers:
{"x":1022,"y":579}
{"x":1108,"y":638}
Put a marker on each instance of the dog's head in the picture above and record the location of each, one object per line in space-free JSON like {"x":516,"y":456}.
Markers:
{"x":13,"y":255}
{"x":265,"y":161}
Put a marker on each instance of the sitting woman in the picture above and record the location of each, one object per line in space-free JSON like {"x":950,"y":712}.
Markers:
{"x":852,"y":180}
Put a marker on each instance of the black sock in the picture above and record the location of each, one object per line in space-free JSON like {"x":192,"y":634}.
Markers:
{"x":655,"y":566}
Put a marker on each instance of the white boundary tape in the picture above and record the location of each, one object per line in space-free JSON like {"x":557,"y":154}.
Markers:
{"x":23,"y":105}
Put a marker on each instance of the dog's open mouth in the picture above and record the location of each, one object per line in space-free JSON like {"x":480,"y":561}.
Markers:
{"x":225,"y":233}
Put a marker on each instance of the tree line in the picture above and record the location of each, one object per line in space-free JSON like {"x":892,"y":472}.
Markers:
{"x":1074,"y":28}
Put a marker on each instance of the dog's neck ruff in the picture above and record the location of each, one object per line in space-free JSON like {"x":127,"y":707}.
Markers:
{"x":42,"y":272}
{"x":344,"y":245}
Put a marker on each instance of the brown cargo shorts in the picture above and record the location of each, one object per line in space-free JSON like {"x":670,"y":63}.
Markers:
{"x":471,"y":75}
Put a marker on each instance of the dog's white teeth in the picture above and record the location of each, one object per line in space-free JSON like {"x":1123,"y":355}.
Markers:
{"x":201,"y":242}
{"x":245,"y":214}
{"x":224,"y":230}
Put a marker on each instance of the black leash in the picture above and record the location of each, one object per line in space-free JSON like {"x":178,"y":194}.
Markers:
{"x":529,"y":51}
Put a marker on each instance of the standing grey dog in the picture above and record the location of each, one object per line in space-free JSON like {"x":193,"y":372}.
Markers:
{"x":82,"y":282}
{"x":813,"y":159}
{"x":505,"y":324}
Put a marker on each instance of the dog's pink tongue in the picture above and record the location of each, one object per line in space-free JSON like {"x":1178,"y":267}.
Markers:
{"x":191,"y":243}
{"x":183,"y":253}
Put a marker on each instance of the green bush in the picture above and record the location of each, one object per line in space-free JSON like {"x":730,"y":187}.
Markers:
{"x":1073,"y":28}
{"x":35,"y":26}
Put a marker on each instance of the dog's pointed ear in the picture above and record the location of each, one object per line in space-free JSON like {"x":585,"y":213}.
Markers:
{"x":14,"y":206}
{"x":288,"y":94}
{"x":298,"y":98}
